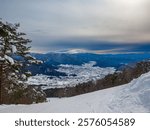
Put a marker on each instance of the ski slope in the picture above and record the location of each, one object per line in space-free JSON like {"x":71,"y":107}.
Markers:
{"x":132,"y":97}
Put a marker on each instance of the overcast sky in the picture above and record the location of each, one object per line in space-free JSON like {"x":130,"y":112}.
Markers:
{"x":81,"y":24}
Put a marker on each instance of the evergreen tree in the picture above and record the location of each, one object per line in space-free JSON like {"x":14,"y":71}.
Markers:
{"x":14,"y":57}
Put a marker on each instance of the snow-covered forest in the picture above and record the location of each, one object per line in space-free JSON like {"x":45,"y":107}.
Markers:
{"x":13,"y":74}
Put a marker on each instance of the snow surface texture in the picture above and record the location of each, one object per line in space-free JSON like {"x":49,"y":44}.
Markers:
{"x":75,"y":75}
{"x":132,"y":97}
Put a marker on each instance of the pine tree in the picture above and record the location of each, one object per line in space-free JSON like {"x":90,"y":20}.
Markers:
{"x":14,"y":57}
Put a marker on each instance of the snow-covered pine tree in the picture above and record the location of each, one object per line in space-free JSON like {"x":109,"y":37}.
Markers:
{"x":14,"y":57}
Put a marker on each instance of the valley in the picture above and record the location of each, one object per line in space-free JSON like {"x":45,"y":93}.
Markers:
{"x":75,"y":74}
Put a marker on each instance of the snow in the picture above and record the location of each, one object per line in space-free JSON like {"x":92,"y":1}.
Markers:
{"x":83,"y":73}
{"x":128,"y":98}
{"x":28,"y":72}
{"x":32,"y":61}
{"x":9,"y":59}
{"x":2,"y":59}
{"x":24,"y":76}
{"x":14,"y":49}
{"x":75,"y":51}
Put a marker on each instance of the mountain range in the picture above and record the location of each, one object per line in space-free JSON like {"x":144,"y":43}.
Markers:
{"x":52,"y":60}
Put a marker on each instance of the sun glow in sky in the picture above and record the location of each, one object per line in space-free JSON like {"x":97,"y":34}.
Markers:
{"x":58,"y":24}
{"x":132,"y":2}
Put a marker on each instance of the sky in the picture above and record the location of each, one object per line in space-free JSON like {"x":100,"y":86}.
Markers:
{"x":82,"y":25}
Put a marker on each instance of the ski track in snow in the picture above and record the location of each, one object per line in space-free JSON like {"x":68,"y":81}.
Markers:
{"x":128,"y":98}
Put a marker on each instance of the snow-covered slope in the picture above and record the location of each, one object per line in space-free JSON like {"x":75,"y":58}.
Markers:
{"x":132,"y":97}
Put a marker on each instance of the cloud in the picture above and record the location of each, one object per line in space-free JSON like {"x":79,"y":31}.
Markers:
{"x":108,"y":51}
{"x":48,"y":21}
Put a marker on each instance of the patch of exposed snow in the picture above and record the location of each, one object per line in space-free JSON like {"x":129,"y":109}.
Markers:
{"x":14,"y":49}
{"x":2,"y":59}
{"x":24,"y":76}
{"x":9,"y":59}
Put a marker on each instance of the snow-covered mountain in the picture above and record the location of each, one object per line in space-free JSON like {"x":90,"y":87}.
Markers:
{"x":131,"y":97}
{"x":52,"y":60}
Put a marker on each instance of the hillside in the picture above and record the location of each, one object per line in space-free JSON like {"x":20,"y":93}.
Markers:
{"x":109,"y":80}
{"x":131,"y":97}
